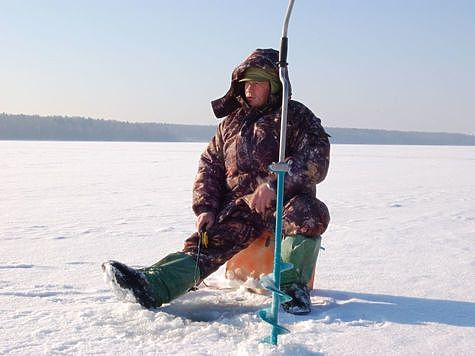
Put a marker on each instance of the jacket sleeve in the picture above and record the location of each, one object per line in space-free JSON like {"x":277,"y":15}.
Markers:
{"x":210,"y":181}
{"x":308,"y":148}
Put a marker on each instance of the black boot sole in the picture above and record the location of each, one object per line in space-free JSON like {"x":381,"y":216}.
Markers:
{"x":128,"y":278}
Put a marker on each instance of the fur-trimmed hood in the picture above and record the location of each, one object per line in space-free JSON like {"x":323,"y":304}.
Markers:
{"x":266,"y":59}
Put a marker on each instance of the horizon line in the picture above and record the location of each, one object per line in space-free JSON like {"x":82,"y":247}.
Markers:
{"x":218,"y":120}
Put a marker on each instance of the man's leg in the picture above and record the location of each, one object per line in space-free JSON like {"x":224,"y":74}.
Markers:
{"x":224,"y":241}
{"x":305,"y":219}
{"x":171,"y":277}
{"x":302,"y":252}
{"x":178,"y":272}
{"x":152,"y":286}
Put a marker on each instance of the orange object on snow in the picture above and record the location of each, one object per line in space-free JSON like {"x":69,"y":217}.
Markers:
{"x":256,"y":260}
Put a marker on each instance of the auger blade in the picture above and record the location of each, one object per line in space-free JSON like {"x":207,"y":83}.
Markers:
{"x":285,"y":266}
{"x":268,"y":283}
{"x":266,"y":315}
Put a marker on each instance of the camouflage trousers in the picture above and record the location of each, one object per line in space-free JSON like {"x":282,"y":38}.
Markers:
{"x":237,"y":227}
{"x":225,"y":239}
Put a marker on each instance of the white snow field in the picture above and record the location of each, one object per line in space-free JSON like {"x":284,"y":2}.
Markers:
{"x":397,"y":276}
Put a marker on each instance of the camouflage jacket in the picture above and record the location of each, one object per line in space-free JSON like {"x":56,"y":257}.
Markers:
{"x":246,"y":142}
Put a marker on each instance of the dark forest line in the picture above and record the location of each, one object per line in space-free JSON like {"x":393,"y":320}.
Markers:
{"x":59,"y":128}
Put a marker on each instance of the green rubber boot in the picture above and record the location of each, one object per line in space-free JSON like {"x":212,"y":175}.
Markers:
{"x":172,"y":277}
{"x":302,"y":252}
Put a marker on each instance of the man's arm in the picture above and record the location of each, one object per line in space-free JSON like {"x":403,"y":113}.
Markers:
{"x":308,"y":148}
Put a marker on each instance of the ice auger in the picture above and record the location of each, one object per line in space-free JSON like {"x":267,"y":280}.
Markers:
{"x":272,"y":281}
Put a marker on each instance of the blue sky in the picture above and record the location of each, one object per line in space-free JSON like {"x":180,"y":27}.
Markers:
{"x":406,"y":65}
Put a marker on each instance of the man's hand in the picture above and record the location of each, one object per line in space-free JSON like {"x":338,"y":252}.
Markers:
{"x":262,"y":198}
{"x":204,"y":219}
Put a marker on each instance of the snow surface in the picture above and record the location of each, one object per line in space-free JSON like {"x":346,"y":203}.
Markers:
{"x":397,"y":276}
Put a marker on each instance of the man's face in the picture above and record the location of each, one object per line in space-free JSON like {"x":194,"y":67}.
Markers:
{"x":256,"y":93}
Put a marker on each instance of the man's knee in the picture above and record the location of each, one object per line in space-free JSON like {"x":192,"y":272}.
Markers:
{"x":305,"y":215}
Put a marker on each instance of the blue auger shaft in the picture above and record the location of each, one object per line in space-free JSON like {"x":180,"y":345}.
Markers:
{"x":283,"y":74}
{"x":277,"y":255}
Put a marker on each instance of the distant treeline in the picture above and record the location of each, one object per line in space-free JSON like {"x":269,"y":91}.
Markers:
{"x":59,"y":128}
{"x":389,"y":137}
{"x":33,"y":127}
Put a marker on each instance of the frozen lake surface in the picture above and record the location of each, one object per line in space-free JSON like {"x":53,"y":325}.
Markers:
{"x":397,"y":276}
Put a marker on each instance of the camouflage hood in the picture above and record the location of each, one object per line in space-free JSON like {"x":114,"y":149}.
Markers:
{"x":266,"y":59}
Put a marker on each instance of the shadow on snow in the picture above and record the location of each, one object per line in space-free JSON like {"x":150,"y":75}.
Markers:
{"x":379,"y":308}
{"x":358,"y":309}
{"x":202,"y":310}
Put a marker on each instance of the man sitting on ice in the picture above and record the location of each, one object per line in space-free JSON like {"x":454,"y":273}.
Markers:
{"x":234,"y":191}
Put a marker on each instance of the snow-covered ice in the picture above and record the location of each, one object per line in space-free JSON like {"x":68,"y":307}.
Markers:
{"x":397,"y":275}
